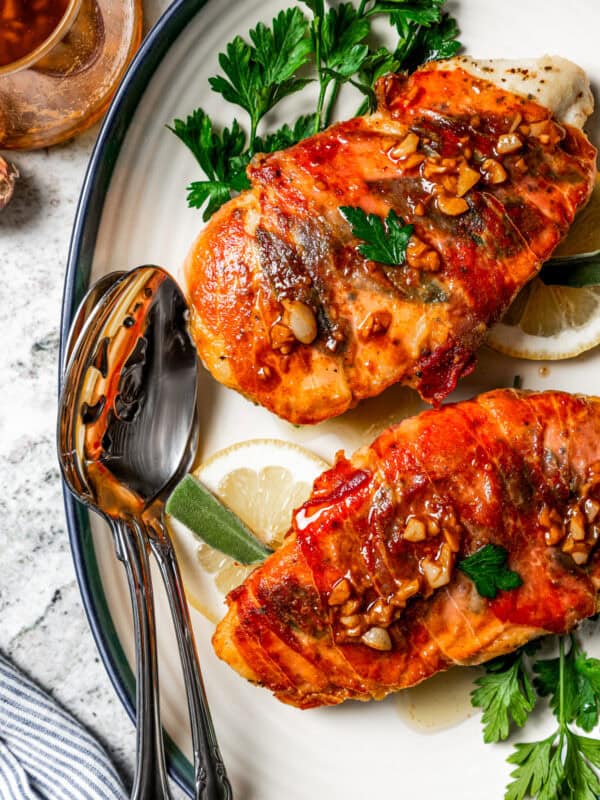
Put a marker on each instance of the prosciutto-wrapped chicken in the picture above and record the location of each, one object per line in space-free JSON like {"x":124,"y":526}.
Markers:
{"x":287,"y":310}
{"x":366,"y":595}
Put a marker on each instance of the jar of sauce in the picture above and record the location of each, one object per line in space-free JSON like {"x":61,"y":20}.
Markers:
{"x":60,"y":63}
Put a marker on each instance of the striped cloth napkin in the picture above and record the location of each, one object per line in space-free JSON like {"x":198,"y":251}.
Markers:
{"x":44,"y":753}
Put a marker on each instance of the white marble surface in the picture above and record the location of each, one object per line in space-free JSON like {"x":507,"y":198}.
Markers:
{"x":43,"y":628}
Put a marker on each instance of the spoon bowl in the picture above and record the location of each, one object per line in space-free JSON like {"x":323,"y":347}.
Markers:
{"x":131,"y":381}
{"x":97,"y":292}
{"x":127,"y":431}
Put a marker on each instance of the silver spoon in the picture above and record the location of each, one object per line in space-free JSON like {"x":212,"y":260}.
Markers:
{"x":127,"y":430}
{"x":98,"y":291}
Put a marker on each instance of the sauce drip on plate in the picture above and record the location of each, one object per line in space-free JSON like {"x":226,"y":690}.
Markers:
{"x":440,"y":702}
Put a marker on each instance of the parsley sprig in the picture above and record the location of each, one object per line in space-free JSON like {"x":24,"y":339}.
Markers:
{"x":223,"y":158}
{"x":335,"y":46}
{"x":341,"y":42}
{"x":562,"y":766}
{"x":505,"y":694}
{"x":260,"y":74}
{"x":384,"y":242}
{"x":487,"y":569}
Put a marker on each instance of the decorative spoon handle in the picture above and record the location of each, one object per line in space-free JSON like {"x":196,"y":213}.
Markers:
{"x":150,"y":781}
{"x":210,"y":777}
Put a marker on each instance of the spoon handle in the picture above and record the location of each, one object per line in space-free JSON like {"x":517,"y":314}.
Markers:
{"x":210,"y":777}
{"x":150,"y":781}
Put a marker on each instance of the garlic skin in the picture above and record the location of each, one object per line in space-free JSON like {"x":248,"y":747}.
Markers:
{"x":8,"y":176}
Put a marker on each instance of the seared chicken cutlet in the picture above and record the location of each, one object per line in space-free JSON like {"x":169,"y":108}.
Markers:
{"x":365,"y":596}
{"x":287,"y":310}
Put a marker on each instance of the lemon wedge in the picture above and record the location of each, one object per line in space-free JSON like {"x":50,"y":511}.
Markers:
{"x":549,"y":322}
{"x":262,"y":481}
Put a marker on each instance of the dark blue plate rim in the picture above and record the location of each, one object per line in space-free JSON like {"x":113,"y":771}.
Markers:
{"x":81,"y":250}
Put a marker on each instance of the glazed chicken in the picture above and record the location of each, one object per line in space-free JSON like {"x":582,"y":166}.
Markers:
{"x":366,"y":596}
{"x":285,"y":308}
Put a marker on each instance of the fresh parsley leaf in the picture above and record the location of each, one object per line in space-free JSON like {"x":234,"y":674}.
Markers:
{"x":424,"y":41}
{"x":422,"y":12}
{"x":343,"y":33}
{"x":212,"y":151}
{"x":580,"y":686}
{"x":316,"y":6}
{"x":338,"y":41}
{"x":286,"y":136}
{"x":235,"y":63}
{"x":506,"y":695}
{"x":377,"y":63}
{"x":424,"y":34}
{"x":215,"y":192}
{"x":588,"y":672}
{"x":539,"y":769}
{"x":439,"y":41}
{"x":581,"y":779}
{"x":221,"y":156}
{"x":563,"y":766}
{"x":382,"y":242}
{"x":487,"y":569}
{"x":259,"y":75}
{"x":282,"y":49}
{"x":590,"y":749}
{"x":224,"y":157}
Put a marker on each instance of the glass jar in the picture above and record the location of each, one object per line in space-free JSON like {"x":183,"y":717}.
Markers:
{"x":64,"y":85}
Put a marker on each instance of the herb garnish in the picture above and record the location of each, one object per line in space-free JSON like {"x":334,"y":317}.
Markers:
{"x":192,"y":504}
{"x":335,"y":48}
{"x":564,"y":764}
{"x":581,"y":694}
{"x":505,"y":694}
{"x":487,"y":569}
{"x":222,"y":157}
{"x":385,"y":243}
{"x":576,"y":271}
{"x":261,"y":74}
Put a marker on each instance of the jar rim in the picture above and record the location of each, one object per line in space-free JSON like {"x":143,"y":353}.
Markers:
{"x":59,"y":32}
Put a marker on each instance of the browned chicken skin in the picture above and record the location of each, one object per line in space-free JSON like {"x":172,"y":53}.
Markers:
{"x":364,"y":598}
{"x":286,"y":310}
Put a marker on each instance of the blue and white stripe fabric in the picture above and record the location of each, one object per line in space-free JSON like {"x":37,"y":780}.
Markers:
{"x":44,"y":753}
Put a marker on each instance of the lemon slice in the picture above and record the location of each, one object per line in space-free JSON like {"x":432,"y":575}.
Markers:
{"x":262,"y":481}
{"x":584,"y":235}
{"x":556,"y":322}
{"x":549,"y":323}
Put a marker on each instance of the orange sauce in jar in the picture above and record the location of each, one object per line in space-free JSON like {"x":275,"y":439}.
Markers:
{"x":25,"y":25}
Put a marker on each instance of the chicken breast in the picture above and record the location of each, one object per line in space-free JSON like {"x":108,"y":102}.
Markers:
{"x":287,"y":310}
{"x":554,"y":82}
{"x":365,"y":596}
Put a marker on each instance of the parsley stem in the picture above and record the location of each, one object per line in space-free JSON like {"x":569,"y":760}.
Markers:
{"x":331,"y":103}
{"x":403,"y":53}
{"x":253,"y":127}
{"x":561,"y":685}
{"x":319,"y":114}
{"x":322,"y":84}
